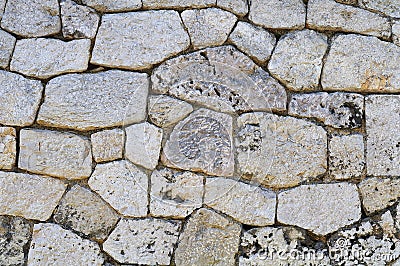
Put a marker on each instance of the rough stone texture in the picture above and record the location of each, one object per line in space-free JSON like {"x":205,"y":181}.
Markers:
{"x":175,"y":194}
{"x":253,"y":41}
{"x":90,"y":101}
{"x":44,"y":58}
{"x":113,"y":5}
{"x":321,"y":208}
{"x":361,"y":63}
{"x":2,"y":7}
{"x":52,"y":245}
{"x":329,"y":15}
{"x":7,"y":43}
{"x":20,"y":99}
{"x":338,"y":110}
{"x":58,"y":154}
{"x":108,"y":145}
{"x":208,"y":239}
{"x":148,"y":241}
{"x":297,"y":59}
{"x":289,"y":14}
{"x":143,"y":144}
{"x":238,"y":7}
{"x":37,"y":196}
{"x":138,"y":40}
{"x":220,"y":78}
{"x":78,"y":21}
{"x":346,"y":156}
{"x":85,"y":212}
{"x":383,"y":138}
{"x":34,"y":18}
{"x":123,"y":186}
{"x":396,"y":32}
{"x":8,"y":147}
{"x":388,"y":7}
{"x":156,"y":4}
{"x":165,"y":111}
{"x":202,"y":142}
{"x":208,"y":27}
{"x":279,"y":151}
{"x":245,"y":203}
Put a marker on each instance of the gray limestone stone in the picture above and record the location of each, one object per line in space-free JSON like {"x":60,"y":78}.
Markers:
{"x":396,"y":32}
{"x":388,"y":7}
{"x":113,"y":5}
{"x":7,"y":43}
{"x":159,"y":4}
{"x":238,"y":7}
{"x":2,"y":7}
{"x":8,"y":147}
{"x":108,"y":145}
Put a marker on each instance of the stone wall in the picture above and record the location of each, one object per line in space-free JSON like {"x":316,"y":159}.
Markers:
{"x":199,"y":132}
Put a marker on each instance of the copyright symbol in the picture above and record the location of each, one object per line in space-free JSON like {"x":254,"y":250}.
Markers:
{"x":341,"y":243}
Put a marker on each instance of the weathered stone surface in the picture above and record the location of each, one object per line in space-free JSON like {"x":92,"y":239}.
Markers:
{"x":20,"y":99}
{"x":108,"y":145}
{"x":148,"y":241}
{"x":90,"y":101}
{"x":85,"y":212}
{"x":177,"y":3}
{"x":37,"y":196}
{"x":253,"y":41}
{"x":388,"y":7}
{"x":175,"y":194}
{"x":383,"y":138}
{"x":44,"y":58}
{"x":361,"y":63}
{"x":346,"y":156}
{"x":33,"y":18}
{"x":165,"y":111}
{"x":238,"y":7}
{"x":2,"y":7}
{"x":8,"y":147}
{"x":208,"y":239}
{"x":113,"y":5}
{"x":330,"y":15}
{"x":245,"y":203}
{"x":143,"y":144}
{"x":52,"y":245}
{"x":396,"y":32}
{"x":208,"y":27}
{"x":78,"y":21}
{"x":137,"y":40}
{"x":7,"y":43}
{"x":15,"y":234}
{"x":58,"y":154}
{"x":220,"y":78}
{"x":201,"y":142}
{"x":275,"y":14}
{"x":321,"y":208}
{"x":338,"y":110}
{"x":123,"y":186}
{"x":279,"y":151}
{"x":297,"y":59}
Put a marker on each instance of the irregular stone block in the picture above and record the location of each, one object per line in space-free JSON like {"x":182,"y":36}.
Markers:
{"x":220,"y":78}
{"x":108,"y":145}
{"x":44,"y":58}
{"x":208,"y":239}
{"x":279,"y":151}
{"x":7,"y":43}
{"x":158,"y":4}
{"x":201,"y":142}
{"x":8,"y":147}
{"x":165,"y":111}
{"x":388,"y":7}
{"x":208,"y":27}
{"x":175,"y":194}
{"x":148,"y":241}
{"x":137,"y":40}
{"x":37,"y":196}
{"x":123,"y":186}
{"x":247,"y":204}
{"x":321,"y":208}
{"x":113,"y":5}
{"x":396,"y":32}
{"x":58,"y":154}
{"x":2,"y":6}
{"x":91,"y":101}
{"x":238,"y":7}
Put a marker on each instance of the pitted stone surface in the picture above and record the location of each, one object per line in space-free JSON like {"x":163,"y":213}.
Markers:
{"x":113,"y":5}
{"x":396,"y":32}
{"x":7,"y":43}
{"x":202,"y":142}
{"x":85,"y":212}
{"x":148,"y":241}
{"x":279,"y":151}
{"x":338,"y":110}
{"x":8,"y":147}
{"x":44,"y":58}
{"x":123,"y":186}
{"x":220,"y":78}
{"x":37,"y":196}
{"x":388,"y":7}
{"x":2,"y":7}
{"x":208,"y":27}
{"x":156,"y":4}
{"x":137,"y":40}
{"x":208,"y":239}
{"x":90,"y":101}
{"x":238,"y":7}
{"x":52,"y":245}
{"x":321,"y":208}
{"x":53,"y":153}
{"x":245,"y":203}
{"x":175,"y":194}
{"x":108,"y":145}
{"x":20,"y":99}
